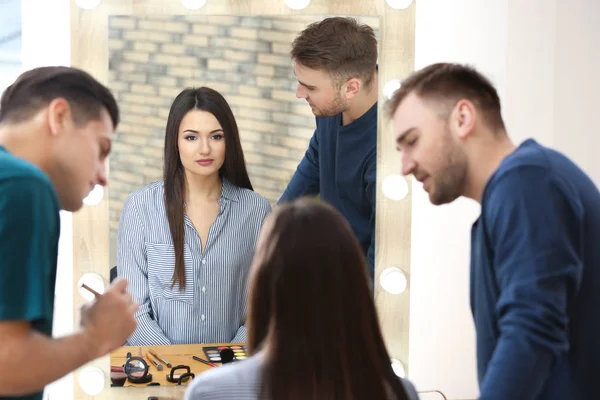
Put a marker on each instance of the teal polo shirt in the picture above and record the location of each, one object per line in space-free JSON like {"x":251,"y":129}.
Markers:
{"x":29,"y":232}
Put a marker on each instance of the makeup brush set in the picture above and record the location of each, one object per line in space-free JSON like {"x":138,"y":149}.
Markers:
{"x":136,"y":369}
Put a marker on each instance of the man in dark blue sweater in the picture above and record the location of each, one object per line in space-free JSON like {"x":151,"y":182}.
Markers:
{"x":336,"y":66}
{"x":535,"y":259}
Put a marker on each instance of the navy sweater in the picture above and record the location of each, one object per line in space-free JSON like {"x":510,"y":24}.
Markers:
{"x":535,"y":279}
{"x":341,"y":166}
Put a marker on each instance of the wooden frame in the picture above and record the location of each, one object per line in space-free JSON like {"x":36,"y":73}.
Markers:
{"x":89,"y":51}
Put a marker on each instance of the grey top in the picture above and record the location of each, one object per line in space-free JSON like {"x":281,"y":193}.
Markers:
{"x":241,"y":381}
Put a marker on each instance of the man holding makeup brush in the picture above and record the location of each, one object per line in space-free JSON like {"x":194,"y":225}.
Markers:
{"x":56,"y":125}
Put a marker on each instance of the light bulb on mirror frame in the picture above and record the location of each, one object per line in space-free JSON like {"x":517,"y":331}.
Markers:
{"x":395,"y":187}
{"x":398,"y":368}
{"x":399,"y":4}
{"x":92,"y":280}
{"x":393,"y":280}
{"x":297,"y":4}
{"x":390,"y":87}
{"x":193,"y":4}
{"x":95,"y":196}
{"x":88,"y":4}
{"x":91,"y":380}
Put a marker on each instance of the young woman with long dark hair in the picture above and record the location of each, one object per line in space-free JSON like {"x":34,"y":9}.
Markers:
{"x":185,"y":243}
{"x":313,"y":332}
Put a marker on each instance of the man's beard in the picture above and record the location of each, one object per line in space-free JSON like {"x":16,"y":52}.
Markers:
{"x":449,"y":182}
{"x":337,"y":106}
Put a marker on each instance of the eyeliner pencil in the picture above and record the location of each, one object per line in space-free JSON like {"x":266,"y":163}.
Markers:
{"x":204,"y":361}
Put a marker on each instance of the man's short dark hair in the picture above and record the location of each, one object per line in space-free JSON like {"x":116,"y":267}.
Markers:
{"x":36,"y":88}
{"x":446,"y":84}
{"x":339,"y":45}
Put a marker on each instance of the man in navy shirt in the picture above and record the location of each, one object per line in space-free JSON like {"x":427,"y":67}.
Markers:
{"x":535,"y":259}
{"x":336,"y":66}
{"x":56,"y":125}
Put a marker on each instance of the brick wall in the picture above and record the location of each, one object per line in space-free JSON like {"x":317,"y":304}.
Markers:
{"x":245,"y":58}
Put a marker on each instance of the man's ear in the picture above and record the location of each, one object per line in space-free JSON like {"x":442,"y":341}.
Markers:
{"x":352,"y":88}
{"x":463,"y":118}
{"x":59,"y":115}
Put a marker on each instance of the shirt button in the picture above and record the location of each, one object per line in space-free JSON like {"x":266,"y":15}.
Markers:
{"x":203,"y":261}
{"x":203,"y":317}
{"x":203,"y":289}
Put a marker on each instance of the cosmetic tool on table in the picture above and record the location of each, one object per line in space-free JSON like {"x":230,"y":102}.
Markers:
{"x":204,"y":361}
{"x":158,"y":357}
{"x":153,"y":361}
{"x":225,"y":354}
{"x":137,"y":369}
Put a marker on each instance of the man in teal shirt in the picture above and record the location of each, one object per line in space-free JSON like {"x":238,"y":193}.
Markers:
{"x":29,"y":228}
{"x":56,"y":125}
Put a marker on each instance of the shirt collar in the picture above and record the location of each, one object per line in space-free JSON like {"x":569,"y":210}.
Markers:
{"x":229,"y":191}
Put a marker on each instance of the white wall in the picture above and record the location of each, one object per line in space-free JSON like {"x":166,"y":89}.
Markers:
{"x":8,"y":74}
{"x":541,"y":55}
{"x":10,"y":45}
{"x":577,"y":83}
{"x":441,"y":351}
{"x":46,"y":41}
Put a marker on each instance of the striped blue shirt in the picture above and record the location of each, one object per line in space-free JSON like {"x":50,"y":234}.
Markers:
{"x":211,"y":308}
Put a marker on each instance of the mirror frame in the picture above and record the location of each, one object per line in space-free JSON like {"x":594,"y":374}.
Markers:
{"x":91,"y":252}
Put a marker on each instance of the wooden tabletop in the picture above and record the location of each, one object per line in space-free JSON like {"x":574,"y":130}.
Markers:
{"x":177,"y":354}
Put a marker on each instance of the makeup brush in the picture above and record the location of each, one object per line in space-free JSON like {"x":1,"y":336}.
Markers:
{"x":152,"y":360}
{"x":159,"y":358}
{"x":89,"y":289}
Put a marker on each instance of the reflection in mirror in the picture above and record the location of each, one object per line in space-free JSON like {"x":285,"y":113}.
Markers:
{"x":136,"y":370}
{"x":247,"y":77}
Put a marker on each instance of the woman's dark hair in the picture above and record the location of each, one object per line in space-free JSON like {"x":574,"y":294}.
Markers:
{"x":312,"y":312}
{"x":233,"y":169}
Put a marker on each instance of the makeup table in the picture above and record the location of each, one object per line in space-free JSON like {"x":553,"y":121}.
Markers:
{"x":174,"y":354}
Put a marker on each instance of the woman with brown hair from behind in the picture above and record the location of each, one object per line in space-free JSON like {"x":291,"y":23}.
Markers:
{"x":312,"y":325}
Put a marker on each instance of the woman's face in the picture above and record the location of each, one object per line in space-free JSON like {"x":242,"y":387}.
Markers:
{"x":201,"y":143}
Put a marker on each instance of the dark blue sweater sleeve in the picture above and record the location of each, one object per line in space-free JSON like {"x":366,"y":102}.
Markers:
{"x":305,"y":180}
{"x":534,"y":225}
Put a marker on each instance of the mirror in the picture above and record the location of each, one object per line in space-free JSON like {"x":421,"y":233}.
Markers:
{"x":91,"y":248}
{"x":245,"y":59}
